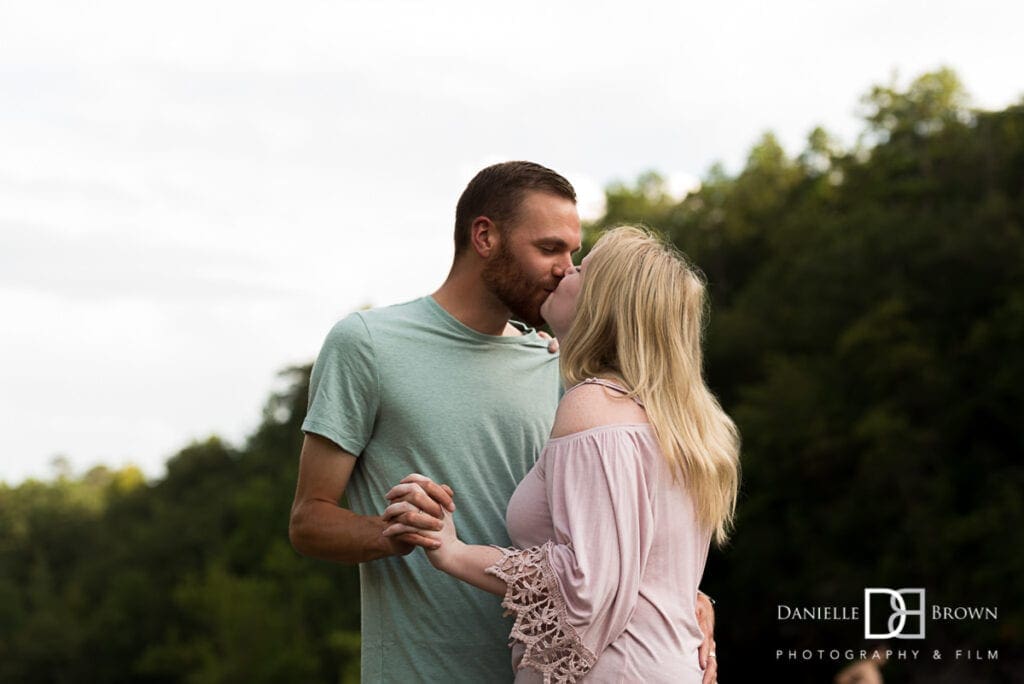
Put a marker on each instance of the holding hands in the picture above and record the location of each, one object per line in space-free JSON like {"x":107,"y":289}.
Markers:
{"x":420,"y":512}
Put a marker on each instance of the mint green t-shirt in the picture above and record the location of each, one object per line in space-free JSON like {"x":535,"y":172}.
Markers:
{"x":408,"y":389}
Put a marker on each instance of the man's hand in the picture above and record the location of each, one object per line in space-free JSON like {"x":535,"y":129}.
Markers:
{"x":417,"y":504}
{"x":706,"y":654}
{"x":398,"y":547}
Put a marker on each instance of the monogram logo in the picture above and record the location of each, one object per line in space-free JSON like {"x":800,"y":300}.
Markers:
{"x":905,"y":611}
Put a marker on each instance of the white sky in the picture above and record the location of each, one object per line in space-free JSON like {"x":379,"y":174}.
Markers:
{"x":191,"y":193}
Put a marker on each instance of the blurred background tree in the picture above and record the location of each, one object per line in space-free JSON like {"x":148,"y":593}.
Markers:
{"x":867,"y":335}
{"x":866,"y":332}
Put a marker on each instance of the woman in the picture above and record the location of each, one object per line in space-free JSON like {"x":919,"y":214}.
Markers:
{"x":613,"y":524}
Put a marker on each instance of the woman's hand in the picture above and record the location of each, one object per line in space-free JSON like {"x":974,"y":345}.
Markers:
{"x":443,"y":557}
{"x":552,"y":341}
{"x":441,"y":545}
{"x":465,"y":562}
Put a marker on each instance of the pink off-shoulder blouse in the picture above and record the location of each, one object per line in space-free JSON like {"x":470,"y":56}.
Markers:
{"x":604,"y":580}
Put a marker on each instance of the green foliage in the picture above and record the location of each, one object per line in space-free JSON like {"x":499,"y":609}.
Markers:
{"x":867,"y":336}
{"x":866,"y":333}
{"x":106,"y":578}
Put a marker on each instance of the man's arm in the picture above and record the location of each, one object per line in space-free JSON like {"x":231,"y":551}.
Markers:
{"x":319,"y":527}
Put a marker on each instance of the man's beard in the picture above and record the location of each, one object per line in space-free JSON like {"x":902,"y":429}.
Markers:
{"x":507,"y":281}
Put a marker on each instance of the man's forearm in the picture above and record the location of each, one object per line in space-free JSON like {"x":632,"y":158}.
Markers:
{"x":320,"y":529}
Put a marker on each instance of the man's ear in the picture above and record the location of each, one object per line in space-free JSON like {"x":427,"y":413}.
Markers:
{"x":484,"y":237}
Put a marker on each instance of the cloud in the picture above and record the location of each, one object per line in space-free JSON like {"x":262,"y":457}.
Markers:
{"x":191,"y":193}
{"x":112,"y":266}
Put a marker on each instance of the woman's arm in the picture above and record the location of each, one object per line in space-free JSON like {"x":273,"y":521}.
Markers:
{"x":467,"y":562}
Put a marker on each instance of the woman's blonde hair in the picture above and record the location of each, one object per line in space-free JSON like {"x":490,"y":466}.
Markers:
{"x":639,"y":317}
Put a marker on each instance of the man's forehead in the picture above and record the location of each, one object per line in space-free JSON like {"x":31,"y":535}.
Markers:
{"x":536,"y":201}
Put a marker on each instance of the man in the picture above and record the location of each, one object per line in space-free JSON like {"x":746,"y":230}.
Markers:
{"x":445,"y":385}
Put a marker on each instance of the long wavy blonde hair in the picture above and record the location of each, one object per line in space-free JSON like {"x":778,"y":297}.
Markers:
{"x":639,"y":318}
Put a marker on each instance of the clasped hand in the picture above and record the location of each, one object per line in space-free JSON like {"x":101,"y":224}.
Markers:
{"x":420,"y":514}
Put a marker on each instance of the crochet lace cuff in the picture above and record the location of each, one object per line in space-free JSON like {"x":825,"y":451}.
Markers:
{"x":553,"y":647}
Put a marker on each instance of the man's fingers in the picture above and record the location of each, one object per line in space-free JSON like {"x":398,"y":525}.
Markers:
{"x":706,"y":622}
{"x":414,"y":494}
{"x":709,"y":656}
{"x":407,"y":514}
{"x":400,"y":490}
{"x":398,"y":528}
{"x":419,"y":540}
{"x":707,"y":647}
{"x":397,"y":509}
{"x":441,"y":494}
{"x":404,"y":489}
{"x":409,"y":535}
{"x":711,"y":672}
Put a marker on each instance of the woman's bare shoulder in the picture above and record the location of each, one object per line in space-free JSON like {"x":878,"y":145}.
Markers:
{"x":592,"y":405}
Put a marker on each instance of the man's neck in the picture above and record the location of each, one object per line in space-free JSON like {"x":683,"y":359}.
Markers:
{"x":464,"y":296}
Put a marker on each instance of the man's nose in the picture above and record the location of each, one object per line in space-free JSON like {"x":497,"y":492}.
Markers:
{"x":562,"y":267}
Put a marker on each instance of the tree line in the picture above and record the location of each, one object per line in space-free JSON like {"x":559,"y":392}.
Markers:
{"x":866,"y":333}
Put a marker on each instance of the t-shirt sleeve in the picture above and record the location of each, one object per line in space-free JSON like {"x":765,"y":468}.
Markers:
{"x":574,"y":595}
{"x":344,"y":392}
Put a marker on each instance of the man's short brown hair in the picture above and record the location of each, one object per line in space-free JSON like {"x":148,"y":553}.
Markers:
{"x":499,"y":190}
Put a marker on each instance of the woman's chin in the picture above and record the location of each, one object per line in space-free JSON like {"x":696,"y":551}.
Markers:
{"x":559,"y":326}
{"x":559,"y":330}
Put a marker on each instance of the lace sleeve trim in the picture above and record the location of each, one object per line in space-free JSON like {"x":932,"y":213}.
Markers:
{"x":553,"y":647}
